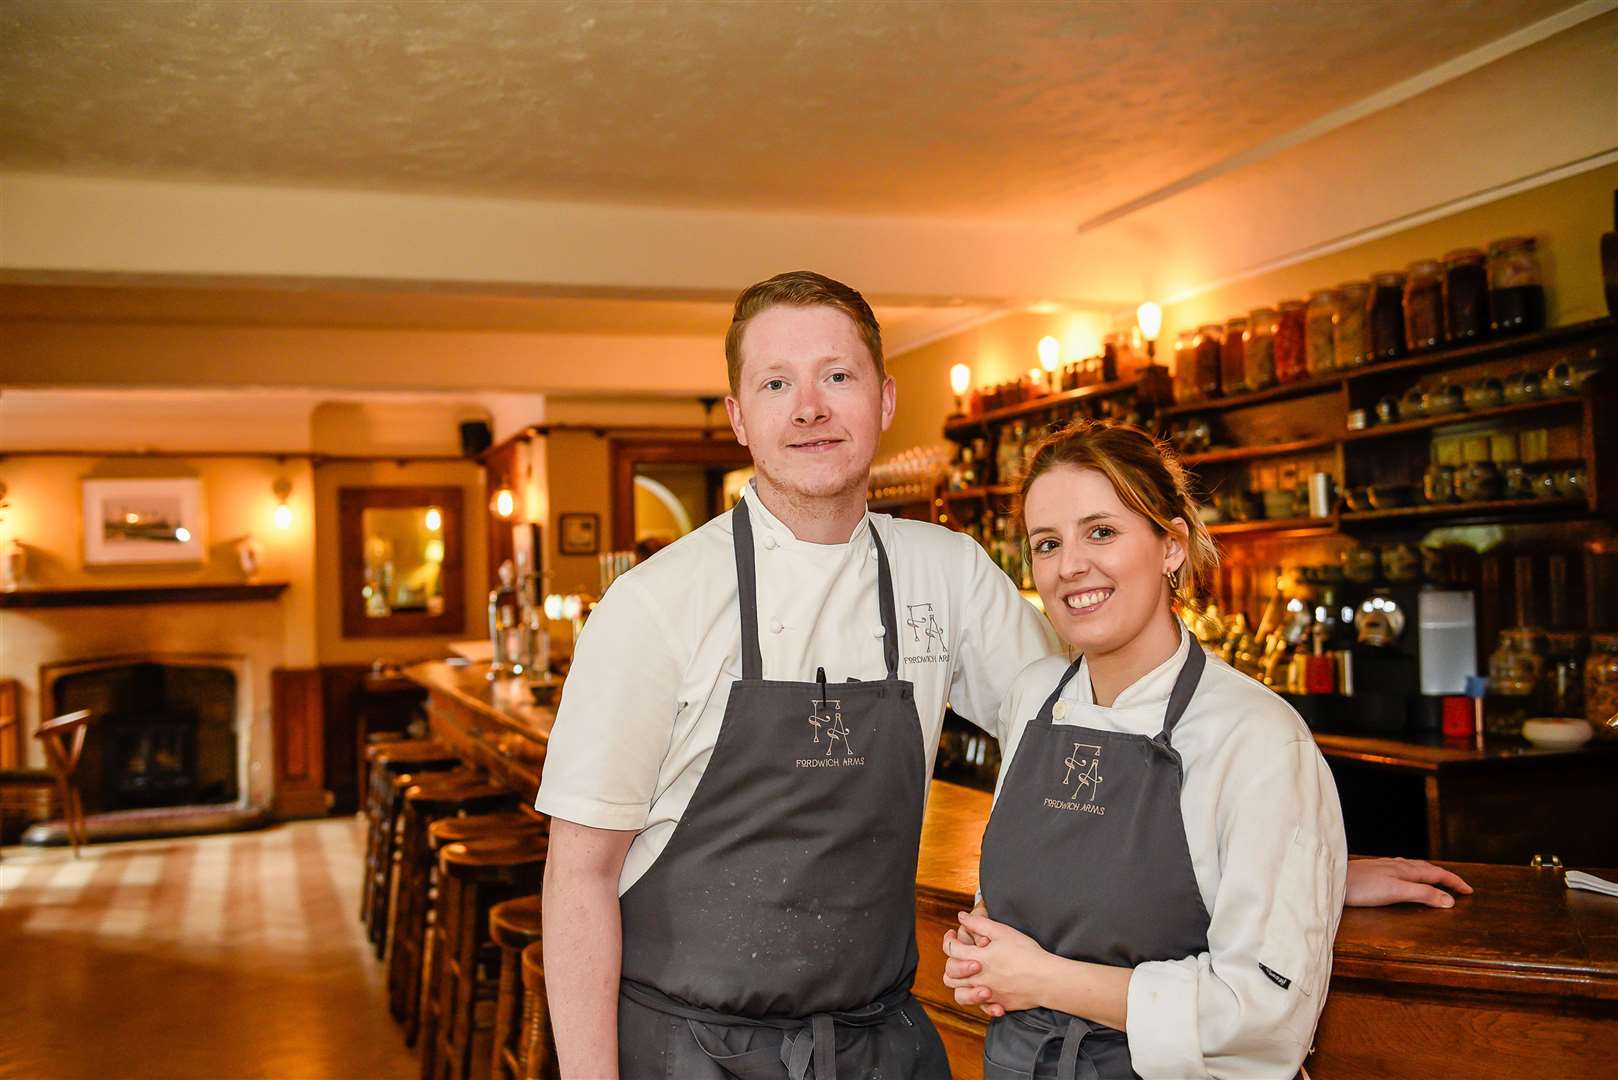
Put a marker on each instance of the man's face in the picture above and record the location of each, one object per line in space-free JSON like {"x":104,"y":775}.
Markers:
{"x":809,"y":404}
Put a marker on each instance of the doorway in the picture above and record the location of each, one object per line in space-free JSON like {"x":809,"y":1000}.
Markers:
{"x":666,"y":488}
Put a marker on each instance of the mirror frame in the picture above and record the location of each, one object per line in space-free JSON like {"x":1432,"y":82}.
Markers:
{"x":352,"y":502}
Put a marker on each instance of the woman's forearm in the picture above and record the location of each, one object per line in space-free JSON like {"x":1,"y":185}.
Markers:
{"x":1096,"y":992}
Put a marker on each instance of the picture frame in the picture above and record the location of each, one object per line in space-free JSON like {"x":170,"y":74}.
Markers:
{"x":578,"y":534}
{"x":144,"y":521}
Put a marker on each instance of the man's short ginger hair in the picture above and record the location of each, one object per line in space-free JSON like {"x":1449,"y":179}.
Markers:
{"x":800,"y":288}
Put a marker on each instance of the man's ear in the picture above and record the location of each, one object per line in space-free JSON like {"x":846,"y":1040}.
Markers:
{"x":733,"y":410}
{"x":890,"y":401}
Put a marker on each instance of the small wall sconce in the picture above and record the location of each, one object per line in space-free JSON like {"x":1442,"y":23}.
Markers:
{"x":283,"y":512}
{"x":1149,"y":317}
{"x":960,"y":377}
{"x":434,"y":519}
{"x":504,"y":502}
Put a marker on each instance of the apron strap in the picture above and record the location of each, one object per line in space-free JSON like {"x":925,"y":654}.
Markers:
{"x":1068,"y":1066}
{"x":1184,"y":686}
{"x":1067,"y":676}
{"x":890,"y":617}
{"x":747,"y":597}
{"x":747,"y":591}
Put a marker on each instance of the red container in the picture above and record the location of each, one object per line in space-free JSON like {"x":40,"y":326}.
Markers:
{"x":1290,"y":365}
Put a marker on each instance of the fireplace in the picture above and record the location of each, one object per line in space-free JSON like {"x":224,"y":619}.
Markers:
{"x":165,"y":731}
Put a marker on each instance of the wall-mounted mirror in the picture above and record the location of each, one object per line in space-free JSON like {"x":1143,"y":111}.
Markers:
{"x":401,"y":561}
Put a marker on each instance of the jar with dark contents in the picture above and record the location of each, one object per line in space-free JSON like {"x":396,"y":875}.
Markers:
{"x":1601,"y":684}
{"x":1516,"y":291}
{"x":1258,"y":349}
{"x":1233,"y":356}
{"x":1209,"y":347}
{"x":1185,"y":366}
{"x":1289,"y":360}
{"x":1424,"y":305}
{"x":1350,"y":342}
{"x":1516,"y":668}
{"x":1319,"y":353}
{"x":1466,"y":296}
{"x":1386,"y":320}
{"x":1564,"y":673}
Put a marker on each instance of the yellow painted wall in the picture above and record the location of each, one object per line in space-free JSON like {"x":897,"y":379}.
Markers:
{"x":580,"y":483}
{"x":46,"y":516}
{"x":1567,"y":216}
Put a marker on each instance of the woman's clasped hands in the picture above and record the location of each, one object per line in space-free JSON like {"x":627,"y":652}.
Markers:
{"x":993,"y":966}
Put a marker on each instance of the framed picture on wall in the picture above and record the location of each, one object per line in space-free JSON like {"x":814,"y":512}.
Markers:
{"x":144,"y":521}
{"x":579,"y":534}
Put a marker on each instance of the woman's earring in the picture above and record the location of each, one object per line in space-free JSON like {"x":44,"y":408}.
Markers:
{"x":1174,"y":577}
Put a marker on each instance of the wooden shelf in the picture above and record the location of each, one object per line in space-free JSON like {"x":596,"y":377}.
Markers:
{"x":901,"y":500}
{"x":1154,"y":383}
{"x":1383,"y":431}
{"x":1291,"y":526}
{"x":125,"y":595}
{"x":1471,"y":511}
{"x":1250,"y":453}
{"x":1319,"y":384}
{"x":1494,"y":348}
{"x":981,"y":492}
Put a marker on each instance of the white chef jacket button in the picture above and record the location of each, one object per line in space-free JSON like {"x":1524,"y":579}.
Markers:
{"x":877,"y":631}
{"x":776,"y":627}
{"x":1059,"y":710}
{"x":769,"y":543}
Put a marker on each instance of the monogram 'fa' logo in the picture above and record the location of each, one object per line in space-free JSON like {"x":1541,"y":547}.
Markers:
{"x":1083,"y":771}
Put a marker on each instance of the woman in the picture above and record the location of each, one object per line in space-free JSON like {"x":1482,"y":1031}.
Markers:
{"x":1163,"y":870}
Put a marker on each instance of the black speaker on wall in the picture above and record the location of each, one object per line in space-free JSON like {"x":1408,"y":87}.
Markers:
{"x":475,"y":437}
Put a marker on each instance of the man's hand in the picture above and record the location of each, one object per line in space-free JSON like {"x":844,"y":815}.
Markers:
{"x":1006,"y":970}
{"x":1380,"y":882}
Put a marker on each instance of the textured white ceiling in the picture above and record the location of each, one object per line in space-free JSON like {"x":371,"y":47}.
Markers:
{"x":1013,"y":111}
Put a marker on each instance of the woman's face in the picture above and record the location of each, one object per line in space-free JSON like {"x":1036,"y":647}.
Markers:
{"x":1098,"y":565}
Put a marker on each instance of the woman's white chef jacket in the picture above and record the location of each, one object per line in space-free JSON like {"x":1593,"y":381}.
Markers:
{"x":651,"y":675}
{"x":1265,"y":833}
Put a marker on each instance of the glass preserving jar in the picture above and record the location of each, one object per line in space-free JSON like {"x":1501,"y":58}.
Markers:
{"x":1466,"y":295}
{"x":1516,"y":290}
{"x":1258,"y":350}
{"x":1387,"y":316}
{"x":1289,"y":360}
{"x":1233,"y":356}
{"x":1515,"y":670}
{"x":1350,"y":342}
{"x":1209,"y":347}
{"x":1185,"y":366}
{"x":1319,"y":353}
{"x":1564,"y":673}
{"x":1601,"y":684}
{"x":1424,"y":305}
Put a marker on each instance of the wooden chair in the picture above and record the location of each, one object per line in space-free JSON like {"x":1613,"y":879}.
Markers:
{"x":63,"y":739}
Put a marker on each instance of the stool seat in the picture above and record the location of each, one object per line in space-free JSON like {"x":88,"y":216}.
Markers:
{"x":436,"y":800}
{"x":483,"y":826}
{"x":515,"y":924}
{"x":490,"y":860}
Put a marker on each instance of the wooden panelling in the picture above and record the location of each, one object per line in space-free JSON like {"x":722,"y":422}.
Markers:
{"x":295,"y":695}
{"x":11,"y":756}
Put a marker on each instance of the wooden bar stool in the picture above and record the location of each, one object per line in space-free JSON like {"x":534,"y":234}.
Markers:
{"x":538,"y":1048}
{"x":63,"y":740}
{"x":425,"y":803}
{"x":462,"y":982}
{"x":386,"y":760}
{"x":515,"y":927}
{"x":386,"y":912}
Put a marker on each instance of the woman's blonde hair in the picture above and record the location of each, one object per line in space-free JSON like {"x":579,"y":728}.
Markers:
{"x":1149,"y":479}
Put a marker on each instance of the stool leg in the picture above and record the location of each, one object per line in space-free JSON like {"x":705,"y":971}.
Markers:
{"x":435,"y":974}
{"x":508,"y":1007}
{"x":538,"y":1054}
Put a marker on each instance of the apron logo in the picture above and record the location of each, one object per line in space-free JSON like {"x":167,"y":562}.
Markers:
{"x":1084,"y":775}
{"x":924,"y":627}
{"x":826,"y":718}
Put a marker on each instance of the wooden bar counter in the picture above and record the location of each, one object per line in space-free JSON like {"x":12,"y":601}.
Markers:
{"x":1518,"y":980}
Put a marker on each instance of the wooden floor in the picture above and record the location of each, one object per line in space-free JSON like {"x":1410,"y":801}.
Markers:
{"x":237,"y":955}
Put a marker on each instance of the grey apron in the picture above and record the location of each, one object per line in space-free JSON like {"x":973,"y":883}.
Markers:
{"x":1085,"y":852}
{"x":774,"y":937}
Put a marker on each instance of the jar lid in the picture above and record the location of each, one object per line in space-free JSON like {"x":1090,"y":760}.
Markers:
{"x":1259,"y":314}
{"x":1237,"y":321}
{"x":1322,"y":294}
{"x":1209,"y":328}
{"x":1424,"y":268}
{"x":1287,"y":305}
{"x":1463,"y":255}
{"x":1510,"y":243}
{"x":1389,"y":277}
{"x":1354,"y":286}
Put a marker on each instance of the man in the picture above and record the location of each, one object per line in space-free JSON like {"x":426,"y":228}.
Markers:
{"x":730,"y":885}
